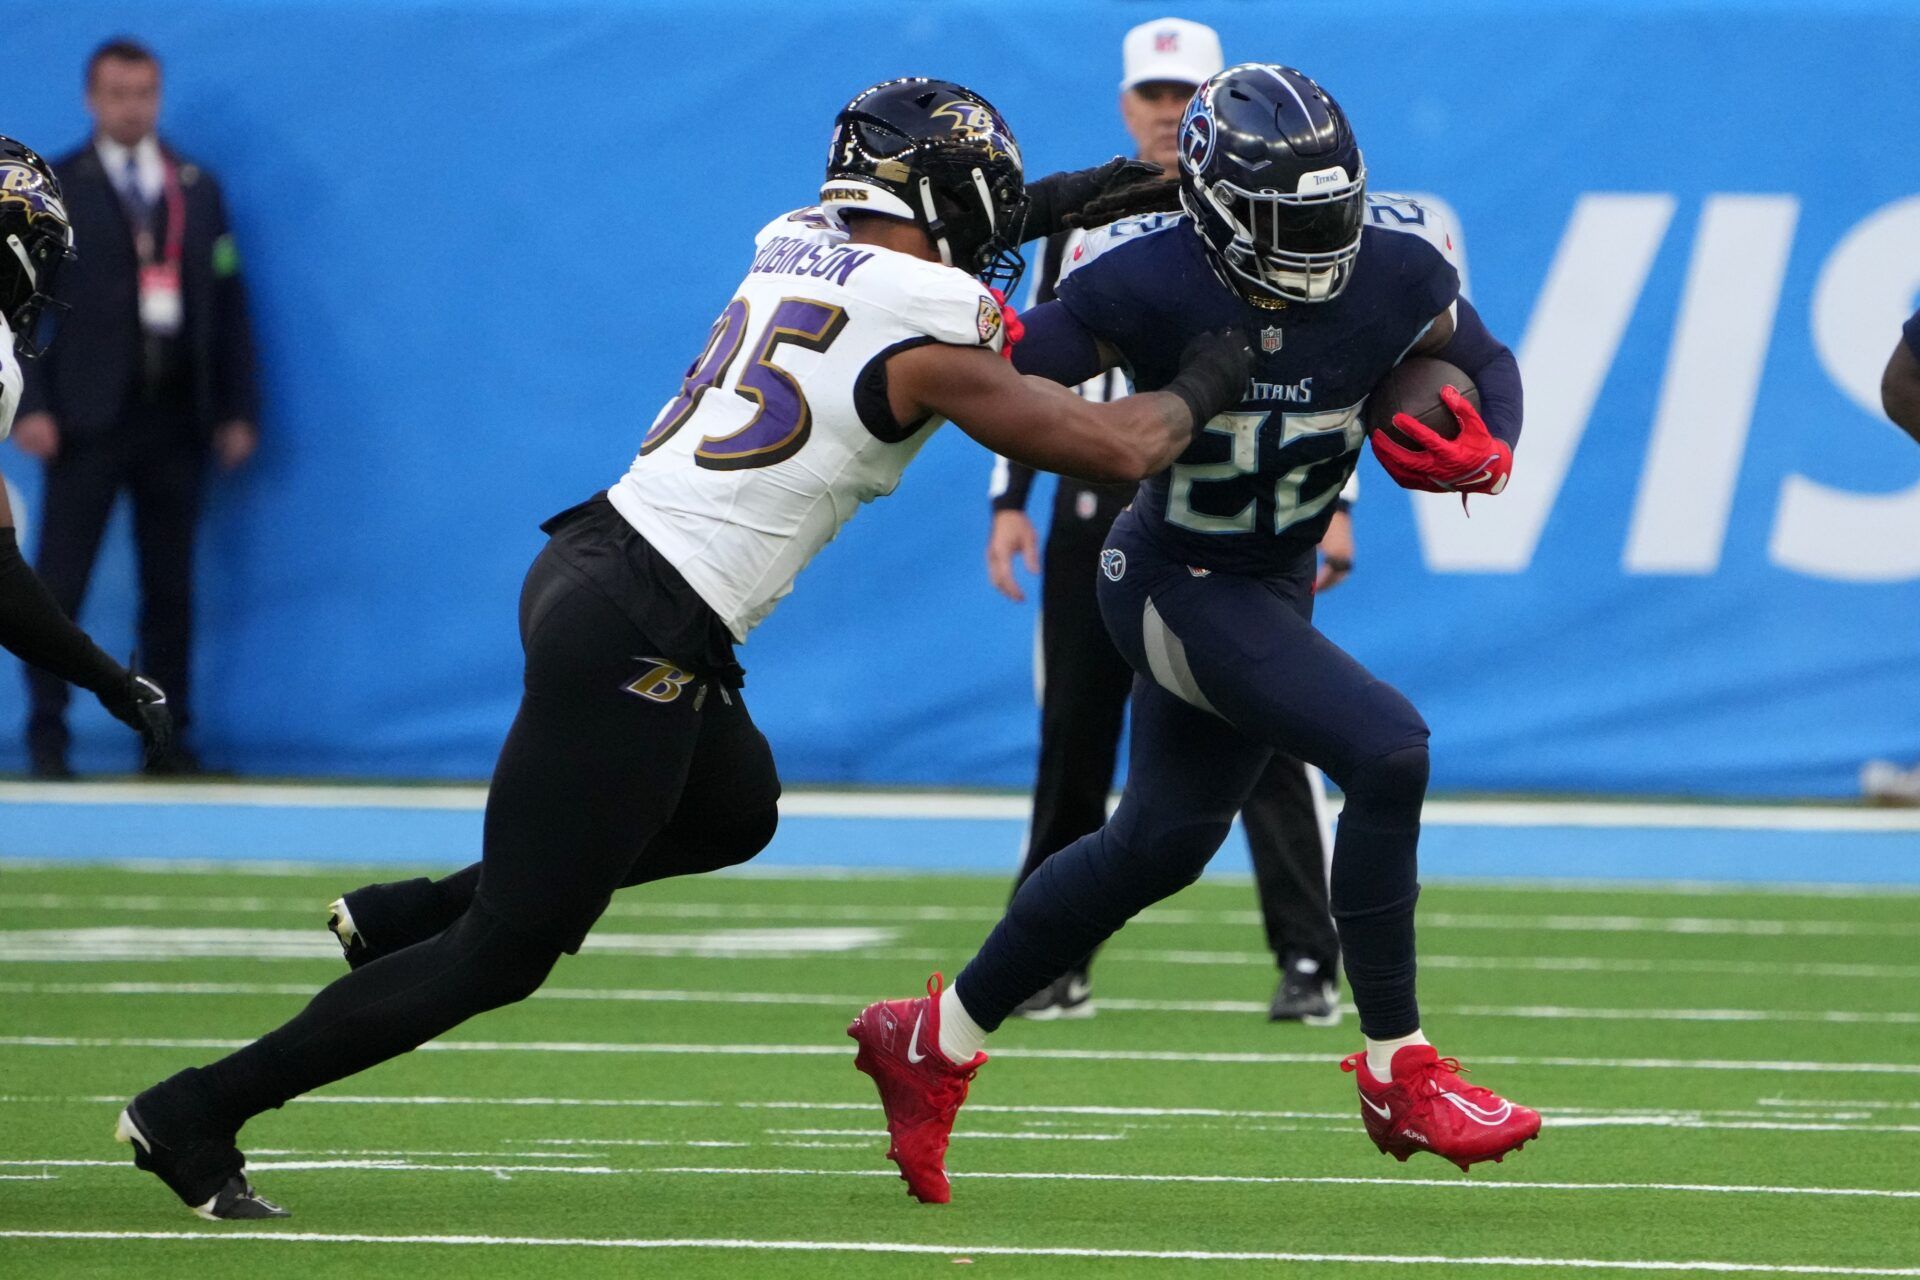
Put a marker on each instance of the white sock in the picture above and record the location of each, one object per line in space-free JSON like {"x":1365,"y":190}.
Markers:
{"x":1380,"y":1053}
{"x":960,"y":1036}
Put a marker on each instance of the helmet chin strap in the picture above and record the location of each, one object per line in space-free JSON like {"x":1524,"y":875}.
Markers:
{"x":26,"y":260}
{"x":935,"y":228}
{"x":986,"y":199}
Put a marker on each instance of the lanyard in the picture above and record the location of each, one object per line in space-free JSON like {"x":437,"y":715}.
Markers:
{"x":176,"y":198}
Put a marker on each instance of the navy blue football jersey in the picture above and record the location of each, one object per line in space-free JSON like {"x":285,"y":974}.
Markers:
{"x":1254,"y":490}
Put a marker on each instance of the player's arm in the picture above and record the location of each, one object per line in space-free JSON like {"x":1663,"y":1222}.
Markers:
{"x":1900,"y":384}
{"x":1052,"y":344}
{"x":1044,"y":425}
{"x":1480,"y":458}
{"x":33,"y":628}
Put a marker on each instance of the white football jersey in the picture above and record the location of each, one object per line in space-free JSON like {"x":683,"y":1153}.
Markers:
{"x":778,"y":433}
{"x":9,"y":379}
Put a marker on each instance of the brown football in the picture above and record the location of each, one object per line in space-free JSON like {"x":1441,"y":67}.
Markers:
{"x":1413,"y":387}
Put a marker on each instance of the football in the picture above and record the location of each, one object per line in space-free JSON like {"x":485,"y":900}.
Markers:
{"x":1413,"y":387}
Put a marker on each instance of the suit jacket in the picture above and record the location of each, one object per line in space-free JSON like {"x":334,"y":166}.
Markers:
{"x":90,"y":376}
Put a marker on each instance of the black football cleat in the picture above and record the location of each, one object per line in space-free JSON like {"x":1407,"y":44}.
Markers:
{"x":340,"y":923}
{"x":207,"y":1173}
{"x":1068,"y":996}
{"x":1305,"y":994}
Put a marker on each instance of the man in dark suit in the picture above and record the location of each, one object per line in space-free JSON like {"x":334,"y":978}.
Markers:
{"x":153,"y":372}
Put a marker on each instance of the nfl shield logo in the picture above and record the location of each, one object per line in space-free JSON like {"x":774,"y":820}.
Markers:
{"x":1270,"y":339}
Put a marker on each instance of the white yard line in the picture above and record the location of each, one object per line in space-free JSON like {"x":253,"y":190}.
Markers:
{"x":962,"y":1251}
{"x":1056,"y":1055}
{"x":947,"y":805}
{"x":404,"y":1164}
{"x":324,"y":950}
{"x":897,"y":915}
{"x":646,"y":995}
{"x":1821,"y":1119}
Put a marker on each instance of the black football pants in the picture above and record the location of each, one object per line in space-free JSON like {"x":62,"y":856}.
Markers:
{"x":1084,"y":688}
{"x":616,"y":771}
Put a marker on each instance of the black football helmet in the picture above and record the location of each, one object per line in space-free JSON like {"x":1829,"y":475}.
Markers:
{"x":936,"y":154}
{"x":35,"y":239}
{"x":1275,"y":184}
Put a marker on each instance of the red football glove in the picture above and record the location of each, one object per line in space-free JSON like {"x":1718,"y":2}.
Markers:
{"x":1011,"y":319}
{"x":1472,"y":462}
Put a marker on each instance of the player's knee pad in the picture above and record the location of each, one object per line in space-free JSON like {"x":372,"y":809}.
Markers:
{"x":743,"y":836}
{"x":1395,"y":782}
{"x":691,"y":849}
{"x":504,"y":965}
{"x":1157,"y":859}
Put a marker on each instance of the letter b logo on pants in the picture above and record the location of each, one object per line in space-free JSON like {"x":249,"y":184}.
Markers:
{"x":661,"y":684}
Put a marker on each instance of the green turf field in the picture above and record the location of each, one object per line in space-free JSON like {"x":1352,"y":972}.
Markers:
{"x":1729,"y":1078}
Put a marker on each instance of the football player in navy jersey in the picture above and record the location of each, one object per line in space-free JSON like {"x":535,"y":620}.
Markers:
{"x":1206,"y":588}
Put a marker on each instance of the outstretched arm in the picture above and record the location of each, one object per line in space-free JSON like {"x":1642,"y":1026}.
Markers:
{"x":1044,"y":425}
{"x":33,"y":627}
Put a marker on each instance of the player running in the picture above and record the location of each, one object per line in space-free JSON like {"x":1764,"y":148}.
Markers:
{"x":861,"y":325}
{"x":35,"y":239}
{"x":1206,"y":587}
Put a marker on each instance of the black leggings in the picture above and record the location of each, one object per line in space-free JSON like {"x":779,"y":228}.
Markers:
{"x":620,"y":768}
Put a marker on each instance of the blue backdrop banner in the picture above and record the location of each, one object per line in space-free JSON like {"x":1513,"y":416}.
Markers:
{"x":484,"y":241}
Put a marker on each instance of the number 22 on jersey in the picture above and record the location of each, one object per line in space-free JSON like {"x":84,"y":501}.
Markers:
{"x":1307,"y":440}
{"x":781,"y":419}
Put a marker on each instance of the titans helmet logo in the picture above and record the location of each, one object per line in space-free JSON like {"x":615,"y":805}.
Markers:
{"x":1196,"y":135}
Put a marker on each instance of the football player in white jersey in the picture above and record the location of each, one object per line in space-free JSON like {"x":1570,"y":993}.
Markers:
{"x":862,"y":324}
{"x":35,"y":238}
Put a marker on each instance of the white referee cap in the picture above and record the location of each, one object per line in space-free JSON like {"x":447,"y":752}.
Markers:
{"x":1171,"y":49}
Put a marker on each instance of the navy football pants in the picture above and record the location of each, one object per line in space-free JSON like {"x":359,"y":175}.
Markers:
{"x":1228,"y":669}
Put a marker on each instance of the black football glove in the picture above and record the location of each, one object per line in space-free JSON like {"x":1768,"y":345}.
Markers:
{"x":141,"y":705}
{"x":1117,"y":189}
{"x":1214,"y":370}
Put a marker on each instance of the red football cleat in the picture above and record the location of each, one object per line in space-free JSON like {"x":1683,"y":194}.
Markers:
{"x":920,"y":1088}
{"x":1428,"y":1107}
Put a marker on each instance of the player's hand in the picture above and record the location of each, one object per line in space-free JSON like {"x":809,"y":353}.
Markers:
{"x":141,"y":705}
{"x":1012,"y":535}
{"x":1336,"y":553}
{"x":37,"y":435}
{"x":234,"y":442}
{"x":1089,"y":197}
{"x":1471,"y":462}
{"x":1010,"y":319}
{"x":1214,"y":369}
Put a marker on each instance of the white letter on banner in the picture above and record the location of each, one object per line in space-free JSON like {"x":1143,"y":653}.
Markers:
{"x":1713,"y":377}
{"x":1592,"y":287}
{"x":1864,"y":293}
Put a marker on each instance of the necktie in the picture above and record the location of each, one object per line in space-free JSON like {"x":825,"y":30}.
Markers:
{"x":135,"y":198}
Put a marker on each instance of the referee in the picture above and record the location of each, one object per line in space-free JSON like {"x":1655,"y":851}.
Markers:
{"x":1084,"y":682}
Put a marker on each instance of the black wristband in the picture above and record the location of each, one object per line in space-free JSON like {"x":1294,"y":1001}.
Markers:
{"x":32,"y":626}
{"x":1198,"y":403}
{"x":1213,"y":375}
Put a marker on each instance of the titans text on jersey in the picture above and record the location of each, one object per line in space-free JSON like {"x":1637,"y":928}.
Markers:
{"x":1255,"y":489}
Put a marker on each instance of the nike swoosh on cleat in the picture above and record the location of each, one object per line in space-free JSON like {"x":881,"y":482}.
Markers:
{"x":1380,"y":1111}
{"x":914,"y":1040}
{"x":1479,"y":1114}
